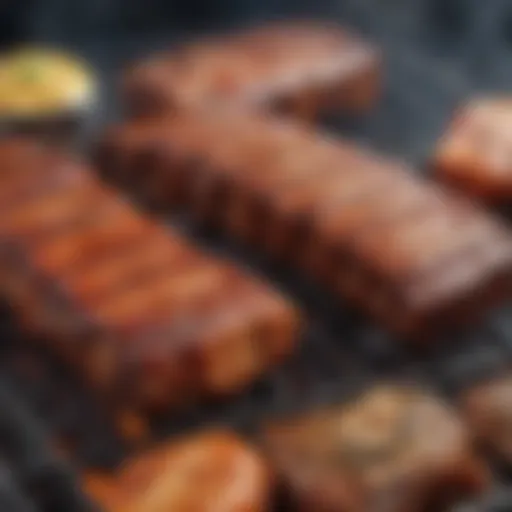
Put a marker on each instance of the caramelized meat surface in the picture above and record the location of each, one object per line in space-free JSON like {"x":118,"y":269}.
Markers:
{"x":150,"y":320}
{"x":294,"y":68}
{"x":413,"y":254}
{"x":210,"y":472}
{"x":475,"y":154}
{"x":393,"y":450}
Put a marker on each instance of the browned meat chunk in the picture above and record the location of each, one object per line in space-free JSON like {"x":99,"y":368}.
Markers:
{"x":211,"y":472}
{"x":394,"y":449}
{"x":415,"y":255}
{"x":475,"y":154}
{"x":151,"y":321}
{"x":488,"y":409}
{"x":295,"y":68}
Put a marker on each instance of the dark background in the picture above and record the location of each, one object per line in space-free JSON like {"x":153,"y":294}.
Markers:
{"x":86,"y":19}
{"x":79,"y":20}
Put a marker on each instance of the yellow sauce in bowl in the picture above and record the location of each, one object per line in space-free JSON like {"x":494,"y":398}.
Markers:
{"x":38,"y":82}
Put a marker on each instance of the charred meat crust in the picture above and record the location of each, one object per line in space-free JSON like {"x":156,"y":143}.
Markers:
{"x":415,"y":255}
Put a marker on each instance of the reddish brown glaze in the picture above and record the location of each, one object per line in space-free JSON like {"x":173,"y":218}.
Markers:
{"x":475,"y":153}
{"x":293,"y":68}
{"x":394,"y":449}
{"x":415,"y":255}
{"x":150,"y":320}
{"x":210,"y":472}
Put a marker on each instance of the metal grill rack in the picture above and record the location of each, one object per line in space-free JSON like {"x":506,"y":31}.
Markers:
{"x":435,"y":59}
{"x":32,"y":478}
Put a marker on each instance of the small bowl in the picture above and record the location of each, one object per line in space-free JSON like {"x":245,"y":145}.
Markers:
{"x":46,"y":93}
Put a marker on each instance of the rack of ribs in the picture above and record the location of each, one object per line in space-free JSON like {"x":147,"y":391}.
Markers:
{"x":149,"y":320}
{"x":296,"y":68}
{"x":416,"y":256}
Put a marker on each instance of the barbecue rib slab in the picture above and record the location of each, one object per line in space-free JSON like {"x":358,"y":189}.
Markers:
{"x":416,"y":256}
{"x":150,"y":320}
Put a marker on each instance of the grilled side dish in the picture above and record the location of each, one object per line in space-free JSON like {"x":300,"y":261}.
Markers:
{"x":413,"y":254}
{"x":475,"y":154}
{"x":394,"y":449}
{"x":488,"y":409}
{"x":295,"y":68}
{"x":209,"y":472}
{"x":150,"y":321}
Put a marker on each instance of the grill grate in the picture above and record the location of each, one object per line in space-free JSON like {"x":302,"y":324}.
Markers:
{"x":31,"y":477}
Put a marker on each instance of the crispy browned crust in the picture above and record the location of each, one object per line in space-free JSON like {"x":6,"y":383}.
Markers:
{"x":207,"y":472}
{"x":394,"y":448}
{"x":150,"y":321}
{"x":416,"y":256}
{"x":301,"y":69}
